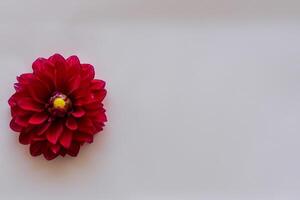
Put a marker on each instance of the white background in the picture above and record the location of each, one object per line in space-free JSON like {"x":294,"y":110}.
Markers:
{"x":203,"y":98}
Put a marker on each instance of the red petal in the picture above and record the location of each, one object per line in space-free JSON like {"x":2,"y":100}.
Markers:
{"x":66,"y":138}
{"x":48,"y":154}
{"x":30,"y":105}
{"x":38,"y":118}
{"x":95,"y":105}
{"x":24,"y":138}
{"x":36,"y":148}
{"x":97,"y":84}
{"x":25,"y":78}
{"x":100,"y":95}
{"x":38,"y":91}
{"x":101,"y":117}
{"x":54,"y":132}
{"x":22,"y":121}
{"x":39,"y":130}
{"x":88,"y":71}
{"x":79,"y":112}
{"x":60,"y":70}
{"x":73,"y":84}
{"x":74,"y":149}
{"x":15,"y":127}
{"x":44,"y":70}
{"x":38,"y":65}
{"x":16,"y":111}
{"x":55,"y":148}
{"x":74,"y":66}
{"x":81,"y":137}
{"x":85,"y":125}
{"x":71,"y":123}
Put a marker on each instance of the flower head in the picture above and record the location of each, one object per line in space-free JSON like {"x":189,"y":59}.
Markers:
{"x":58,"y":107}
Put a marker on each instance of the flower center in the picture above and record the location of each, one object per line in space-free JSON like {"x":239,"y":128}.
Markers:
{"x":59,"y":105}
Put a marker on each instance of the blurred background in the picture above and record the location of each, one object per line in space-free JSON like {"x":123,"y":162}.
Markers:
{"x":203,"y":98}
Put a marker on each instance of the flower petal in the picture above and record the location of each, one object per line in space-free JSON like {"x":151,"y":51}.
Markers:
{"x":60,"y":70}
{"x":36,"y":148}
{"x":74,"y":66}
{"x":79,"y":112}
{"x":74,"y":149}
{"x":39,"y":130}
{"x":73,"y":84}
{"x":54,"y":132}
{"x":14,"y":126}
{"x":81,"y":137}
{"x":24,"y":138}
{"x":38,"y":118}
{"x":66,"y":138}
{"x":71,"y":123}
{"x":55,"y":148}
{"x":38,"y":91}
{"x":22,"y":121}
{"x":48,"y":154}
{"x":30,"y":105}
{"x":97,"y":84}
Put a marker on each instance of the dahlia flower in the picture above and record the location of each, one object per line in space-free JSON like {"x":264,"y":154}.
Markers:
{"x":58,"y":107}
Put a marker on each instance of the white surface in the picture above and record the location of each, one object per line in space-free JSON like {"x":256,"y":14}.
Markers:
{"x":203,"y":98}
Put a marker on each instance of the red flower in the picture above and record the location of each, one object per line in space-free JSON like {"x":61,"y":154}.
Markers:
{"x":57,"y":108}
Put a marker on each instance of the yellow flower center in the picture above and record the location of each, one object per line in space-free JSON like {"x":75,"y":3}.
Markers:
{"x":59,"y":103}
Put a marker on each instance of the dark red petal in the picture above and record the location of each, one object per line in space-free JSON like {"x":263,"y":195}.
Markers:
{"x":38,"y":91}
{"x":25,"y":78}
{"x":36,"y":148}
{"x":54,"y":132}
{"x":88,"y":71}
{"x":30,"y":105}
{"x":44,"y":71}
{"x":100,"y":95}
{"x":71,"y":123}
{"x":101,"y":117}
{"x":16,"y":111}
{"x":81,"y":137}
{"x":22,"y":121}
{"x":95,"y":105}
{"x":24,"y":138}
{"x":74,"y":149}
{"x":63,"y":152}
{"x":97,"y":84}
{"x":38,"y":65}
{"x":14,"y":126}
{"x":39,"y":130}
{"x":66,"y":138}
{"x":86,"y":125}
{"x":74,"y":66}
{"x":73,"y":84}
{"x":60,"y":70}
{"x":48,"y":154}
{"x":78,"y":112}
{"x":55,"y":148}
{"x":38,"y":118}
